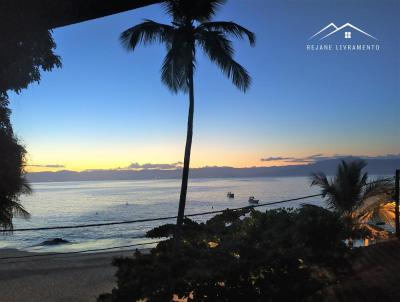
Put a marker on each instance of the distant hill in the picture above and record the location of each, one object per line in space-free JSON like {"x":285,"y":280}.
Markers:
{"x":375,"y":167}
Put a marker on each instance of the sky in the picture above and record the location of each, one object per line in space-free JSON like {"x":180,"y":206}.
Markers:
{"x":106,"y":108}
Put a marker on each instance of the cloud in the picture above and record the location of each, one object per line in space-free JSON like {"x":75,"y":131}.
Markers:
{"x":320,"y":157}
{"x":307,"y":159}
{"x":47,"y":166}
{"x":279,"y":158}
{"x":386,"y":156}
{"x":149,"y":166}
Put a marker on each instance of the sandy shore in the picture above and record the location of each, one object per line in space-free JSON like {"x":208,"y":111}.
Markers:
{"x":64,"y":278}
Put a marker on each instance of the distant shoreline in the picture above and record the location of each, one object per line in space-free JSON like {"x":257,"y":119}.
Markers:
{"x":177,"y":178}
{"x":375,"y":167}
{"x":172,"y":178}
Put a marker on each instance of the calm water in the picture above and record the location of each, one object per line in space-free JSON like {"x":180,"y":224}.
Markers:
{"x":69,"y":203}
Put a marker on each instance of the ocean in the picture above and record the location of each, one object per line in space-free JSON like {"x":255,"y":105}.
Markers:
{"x":90,"y":202}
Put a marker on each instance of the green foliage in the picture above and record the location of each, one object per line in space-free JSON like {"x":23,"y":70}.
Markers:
{"x":5,"y":124}
{"x":279,"y":255}
{"x":348,"y":189}
{"x":200,"y":10}
{"x":12,"y":180}
{"x":26,"y":48}
{"x":346,"y":192}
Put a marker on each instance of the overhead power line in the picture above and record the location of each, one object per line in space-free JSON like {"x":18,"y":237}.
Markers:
{"x":123,"y":247}
{"x":155,"y":219}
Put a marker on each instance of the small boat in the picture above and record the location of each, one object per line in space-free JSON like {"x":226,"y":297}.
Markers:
{"x":230,"y":195}
{"x":253,"y":200}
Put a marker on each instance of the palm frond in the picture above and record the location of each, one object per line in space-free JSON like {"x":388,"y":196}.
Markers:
{"x":175,"y":69}
{"x":377,"y":187}
{"x":25,"y":186}
{"x":19,"y":210}
{"x":349,"y":189}
{"x":328,"y":189}
{"x":375,"y":209}
{"x":320,"y":179}
{"x":146,"y":33}
{"x":5,"y":214}
{"x":230,"y":28}
{"x":10,"y":208}
{"x":173,"y":72}
{"x":350,"y":182}
{"x":189,"y":10}
{"x":219,"y":49}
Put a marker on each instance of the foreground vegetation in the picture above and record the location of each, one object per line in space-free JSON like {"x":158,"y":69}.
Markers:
{"x":279,"y":255}
{"x":246,"y":255}
{"x":27,"y":50}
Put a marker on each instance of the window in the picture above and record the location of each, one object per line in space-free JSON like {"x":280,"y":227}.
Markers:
{"x":347,"y":35}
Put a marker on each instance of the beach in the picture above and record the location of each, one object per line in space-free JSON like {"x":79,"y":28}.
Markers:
{"x":61,"y":278}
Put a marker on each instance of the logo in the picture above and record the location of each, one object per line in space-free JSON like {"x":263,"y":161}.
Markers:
{"x":332,"y":29}
{"x":341,"y":38}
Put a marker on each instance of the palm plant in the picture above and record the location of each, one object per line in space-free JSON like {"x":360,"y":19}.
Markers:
{"x":349,"y":188}
{"x":191,"y":28}
{"x":12,"y":179}
{"x":351,"y":195}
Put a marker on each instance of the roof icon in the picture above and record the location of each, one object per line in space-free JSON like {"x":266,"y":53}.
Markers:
{"x":331,"y":29}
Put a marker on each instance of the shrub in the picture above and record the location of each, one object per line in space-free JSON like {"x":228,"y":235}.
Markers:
{"x":243,"y":255}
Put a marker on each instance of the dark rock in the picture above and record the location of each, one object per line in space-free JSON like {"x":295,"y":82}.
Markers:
{"x":55,"y":241}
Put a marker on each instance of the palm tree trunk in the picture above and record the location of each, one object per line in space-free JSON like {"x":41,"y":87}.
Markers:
{"x":186,"y":162}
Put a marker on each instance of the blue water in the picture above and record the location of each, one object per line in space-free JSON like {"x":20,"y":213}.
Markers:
{"x":70,"y":203}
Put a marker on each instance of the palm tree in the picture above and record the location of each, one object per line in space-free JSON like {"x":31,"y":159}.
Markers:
{"x":349,"y":188}
{"x":191,"y":28}
{"x":12,"y":177}
{"x":350,"y":194}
